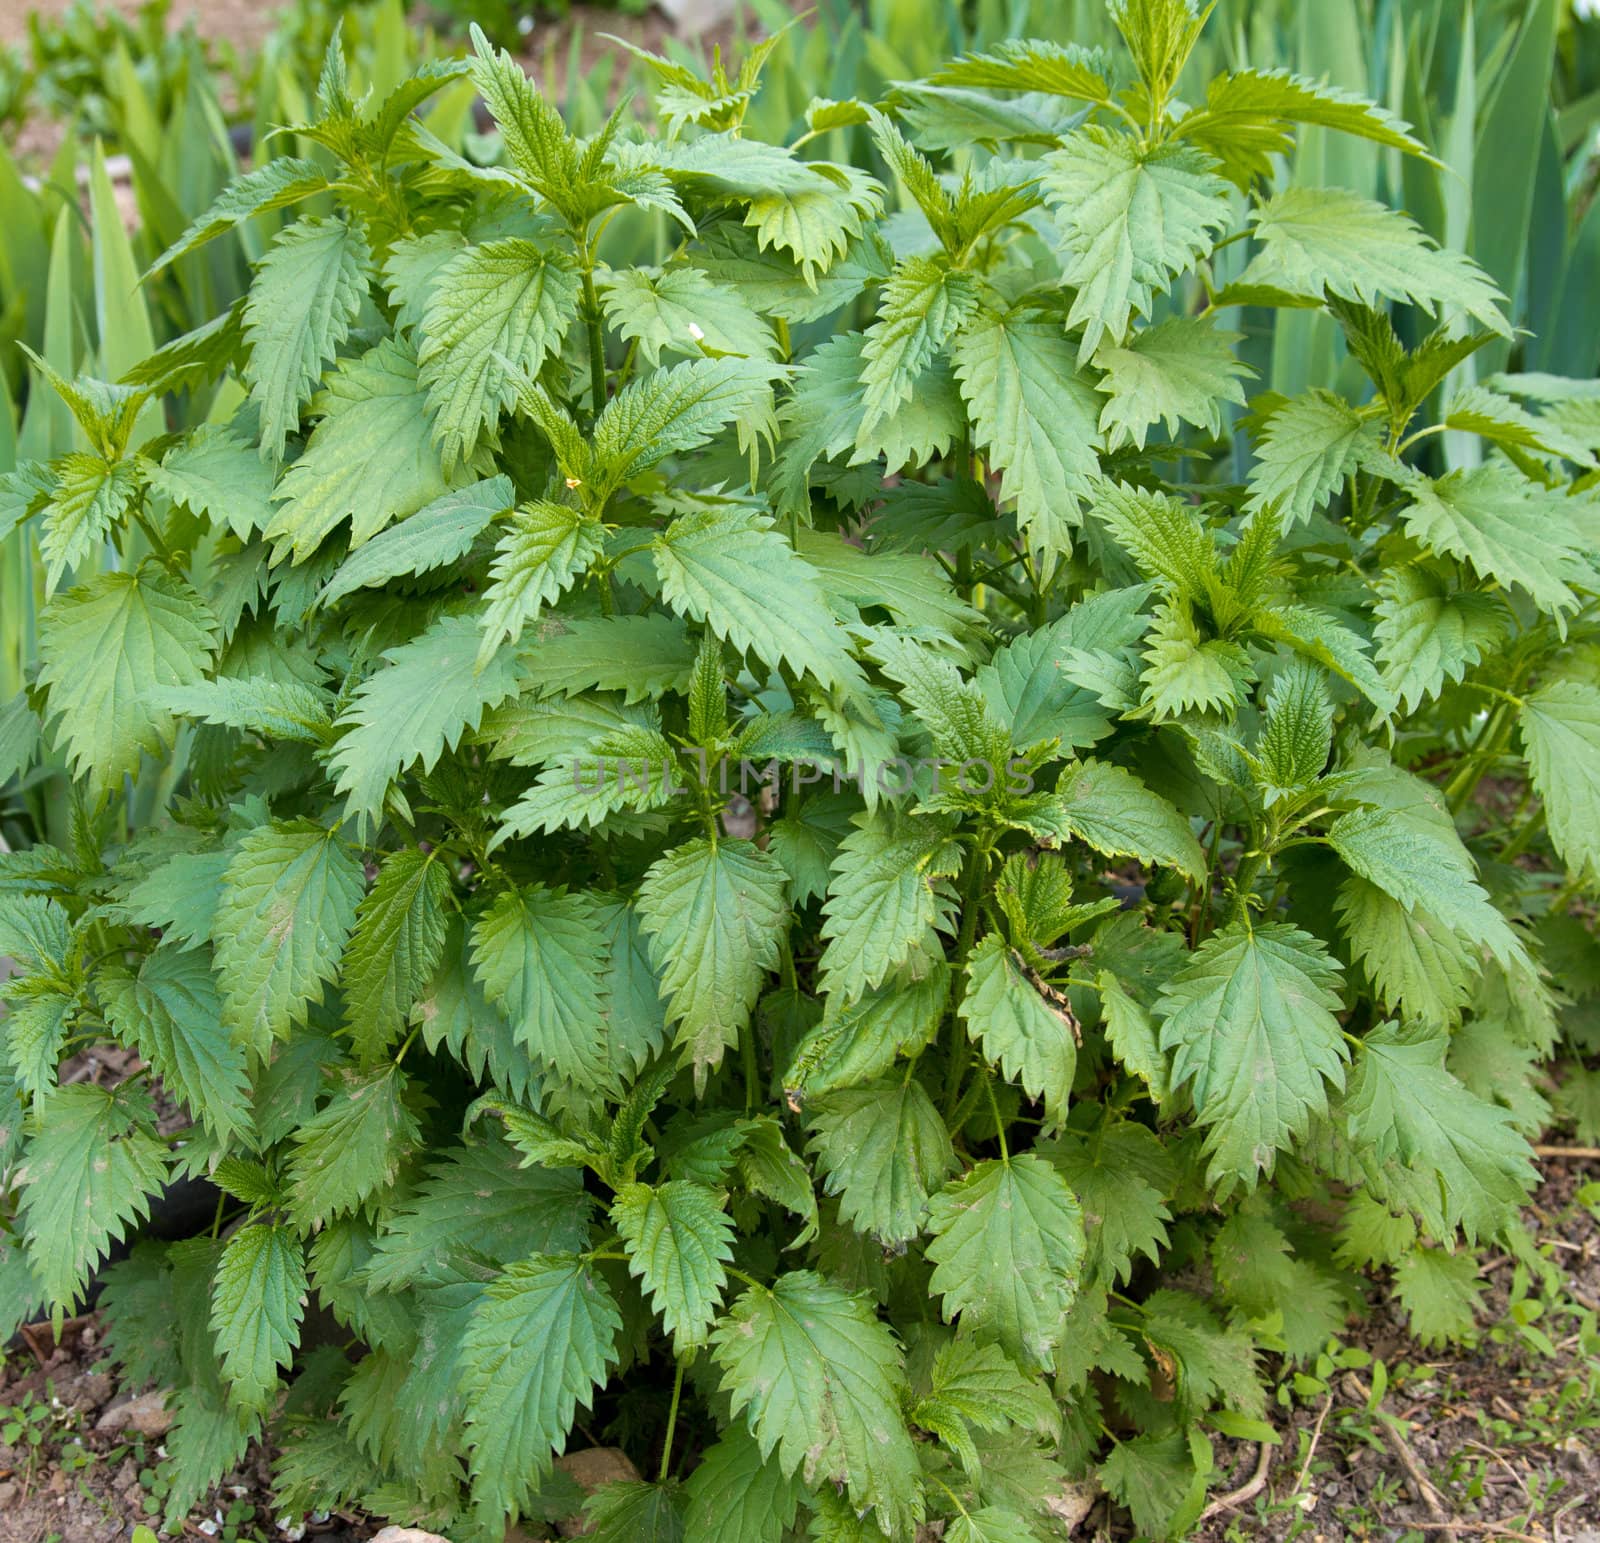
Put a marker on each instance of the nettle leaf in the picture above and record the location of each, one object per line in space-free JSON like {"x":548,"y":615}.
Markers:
{"x":1428,"y":1143}
{"x":1110,"y":809}
{"x":1561,"y":730}
{"x":371,"y":459}
{"x":352,"y":1148}
{"x":733,"y":571}
{"x":1430,"y":630}
{"x":925,"y":304}
{"x":1307,"y":449}
{"x":888,"y":899}
{"x":1251,"y":1021}
{"x":172,"y":1013}
{"x":415,"y":707}
{"x":216,"y":472}
{"x":309,"y":288}
{"x":1507,"y":529}
{"x":90,"y":498}
{"x":713,"y":914}
{"x":1034,"y":414}
{"x":681,"y":310}
{"x":883,"y":1150}
{"x":105,"y":647}
{"x":1327,"y":240}
{"x":819,"y":1379}
{"x":395,"y":948}
{"x":1008,"y":1243}
{"x":678,"y":1239}
{"x":734,"y":1488}
{"x":540,"y":955}
{"x":257,"y":1303}
{"x":505,"y":302}
{"x":539,"y":1342}
{"x":544,"y":548}
{"x":1181,"y":370}
{"x":1131,"y":220}
{"x":288,"y":903}
{"x":1022,"y":1023}
{"x":93,"y":1163}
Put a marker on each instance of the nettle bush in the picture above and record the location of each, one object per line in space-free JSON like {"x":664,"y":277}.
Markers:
{"x":1086,"y":987}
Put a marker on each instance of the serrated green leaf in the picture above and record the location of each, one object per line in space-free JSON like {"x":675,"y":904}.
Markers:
{"x":540,"y":1341}
{"x":1430,"y":630}
{"x":713,"y":913}
{"x":1131,"y":221}
{"x":734,"y":1488}
{"x":678,"y":1239}
{"x":1107,"y":807}
{"x":1561,"y":729}
{"x":1021,"y":1023}
{"x":1035,"y":415}
{"x":1181,"y":370}
{"x":370,"y":460}
{"x":1008,"y":1244}
{"x":104,"y":648}
{"x":288,"y":903}
{"x":1308,"y":448}
{"x":307,"y":292}
{"x":216,"y":472}
{"x":257,"y":1302}
{"x":352,"y":1148}
{"x":504,"y":302}
{"x":544,"y":548}
{"x":1250,"y":1018}
{"x":818,"y":1378}
{"x":395,"y":948}
{"x":882,"y":1149}
{"x":93,"y":1163}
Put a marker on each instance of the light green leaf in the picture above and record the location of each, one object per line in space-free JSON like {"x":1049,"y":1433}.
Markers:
{"x":1430,"y":630}
{"x":883,"y":1149}
{"x":678,"y":1239}
{"x":305,"y":298}
{"x":1006,"y":1252}
{"x":395,"y":948}
{"x":504,"y":302}
{"x":1034,"y":414}
{"x":539,"y":1343}
{"x":257,"y":1302}
{"x":1107,"y":807}
{"x":352,"y":1148}
{"x":1131,"y":221}
{"x":1251,"y":1018}
{"x":819,"y":1379}
{"x":733,"y":571}
{"x":1561,"y":731}
{"x":544,"y":548}
{"x":1021,"y":1023}
{"x":713,"y":914}
{"x":540,"y":954}
{"x":217,"y":473}
{"x":288,"y":903}
{"x":1317,"y":240}
{"x":1309,"y":446}
{"x":1180,"y":370}
{"x":93,"y":1162}
{"x":682,"y":311}
{"x":734,"y":1491}
{"x":370,"y":460}
{"x":416,"y":707}
{"x":104,"y":648}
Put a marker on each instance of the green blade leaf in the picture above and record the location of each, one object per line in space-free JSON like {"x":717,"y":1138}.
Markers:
{"x":678,"y":1239}
{"x":257,"y":1302}
{"x":819,"y":1379}
{"x":713,"y":915}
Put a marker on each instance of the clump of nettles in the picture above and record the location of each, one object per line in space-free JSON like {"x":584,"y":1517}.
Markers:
{"x":835,"y":1145}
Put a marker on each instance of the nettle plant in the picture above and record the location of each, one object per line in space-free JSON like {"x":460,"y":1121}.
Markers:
{"x":768,"y":856}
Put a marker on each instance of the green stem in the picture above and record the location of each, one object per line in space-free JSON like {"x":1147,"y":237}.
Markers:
{"x":972,"y":877}
{"x":994,"y":1109}
{"x":1496,"y":728}
{"x":597,"y":337}
{"x":747,"y":1051}
{"x":672,"y":1421}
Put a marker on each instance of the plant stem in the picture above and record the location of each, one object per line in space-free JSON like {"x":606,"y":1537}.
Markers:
{"x":972,"y":877}
{"x":597,"y":338}
{"x":672,"y":1422}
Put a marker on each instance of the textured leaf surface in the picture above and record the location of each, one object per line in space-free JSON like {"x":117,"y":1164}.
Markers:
{"x":678,"y":1239}
{"x":818,"y":1378}
{"x":256,"y":1306}
{"x":1008,"y":1243}
{"x":1251,"y":1022}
